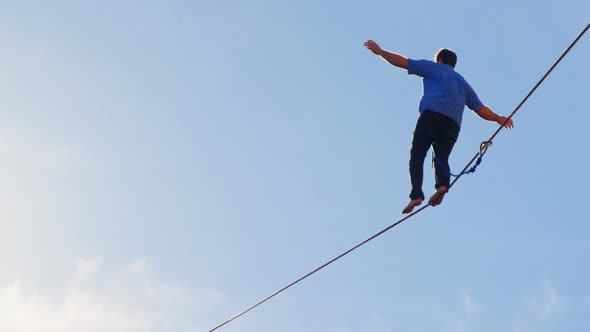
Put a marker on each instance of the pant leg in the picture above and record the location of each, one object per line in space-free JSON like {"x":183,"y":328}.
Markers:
{"x":443,"y":146}
{"x":442,"y":150}
{"x":423,"y":139}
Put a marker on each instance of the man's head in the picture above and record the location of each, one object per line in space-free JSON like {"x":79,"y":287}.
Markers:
{"x":446,"y":56}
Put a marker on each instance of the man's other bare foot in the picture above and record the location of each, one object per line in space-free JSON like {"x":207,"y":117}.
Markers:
{"x":413,"y":203}
{"x":438,"y":196}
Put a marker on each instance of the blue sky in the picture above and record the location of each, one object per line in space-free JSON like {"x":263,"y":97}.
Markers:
{"x":167,"y":164}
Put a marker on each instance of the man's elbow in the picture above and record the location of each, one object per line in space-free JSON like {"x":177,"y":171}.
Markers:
{"x":482,"y":110}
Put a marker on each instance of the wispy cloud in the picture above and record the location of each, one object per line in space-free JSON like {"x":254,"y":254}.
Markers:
{"x":537,"y":312}
{"x":94,"y":300}
{"x":548,"y":304}
{"x":468,"y":312}
{"x":470,"y":306}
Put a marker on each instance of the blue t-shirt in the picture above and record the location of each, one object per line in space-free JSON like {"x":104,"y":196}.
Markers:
{"x":445,"y":91}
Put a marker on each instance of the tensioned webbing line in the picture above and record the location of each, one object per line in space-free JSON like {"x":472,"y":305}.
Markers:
{"x":489,"y":141}
{"x":415,"y":212}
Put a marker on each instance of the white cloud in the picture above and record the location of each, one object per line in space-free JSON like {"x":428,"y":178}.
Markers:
{"x":470,"y":306}
{"x":548,"y":304}
{"x":537,"y":312}
{"x":94,"y":300}
{"x":470,"y":309}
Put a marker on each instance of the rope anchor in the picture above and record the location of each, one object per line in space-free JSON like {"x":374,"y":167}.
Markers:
{"x":483,"y":148}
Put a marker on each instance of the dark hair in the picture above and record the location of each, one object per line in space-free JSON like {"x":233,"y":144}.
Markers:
{"x":447,"y":57}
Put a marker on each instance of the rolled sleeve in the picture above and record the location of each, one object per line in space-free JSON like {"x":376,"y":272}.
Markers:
{"x":472,"y":100}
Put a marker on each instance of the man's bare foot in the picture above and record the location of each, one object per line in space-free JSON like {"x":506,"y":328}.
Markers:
{"x":413,"y":203}
{"x":438,"y":196}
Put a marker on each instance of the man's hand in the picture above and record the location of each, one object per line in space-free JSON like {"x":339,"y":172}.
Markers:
{"x":508,"y":125}
{"x":393,"y":58}
{"x":486,"y":113}
{"x":373,"y":46}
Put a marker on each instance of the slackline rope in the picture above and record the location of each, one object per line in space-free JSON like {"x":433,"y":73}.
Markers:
{"x":489,"y":141}
{"x":483,"y":148}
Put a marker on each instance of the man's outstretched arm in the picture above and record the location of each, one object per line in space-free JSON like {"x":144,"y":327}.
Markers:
{"x":486,"y":113}
{"x":393,"y":58}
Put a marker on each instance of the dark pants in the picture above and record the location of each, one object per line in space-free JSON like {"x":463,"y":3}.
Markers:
{"x":440,"y":132}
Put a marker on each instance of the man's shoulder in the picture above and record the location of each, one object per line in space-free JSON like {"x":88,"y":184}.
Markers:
{"x":423,"y":62}
{"x":462,"y":79}
{"x":420,"y":67}
{"x":459,"y":75}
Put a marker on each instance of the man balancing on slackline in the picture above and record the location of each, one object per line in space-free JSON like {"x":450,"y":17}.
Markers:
{"x":446,"y":93}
